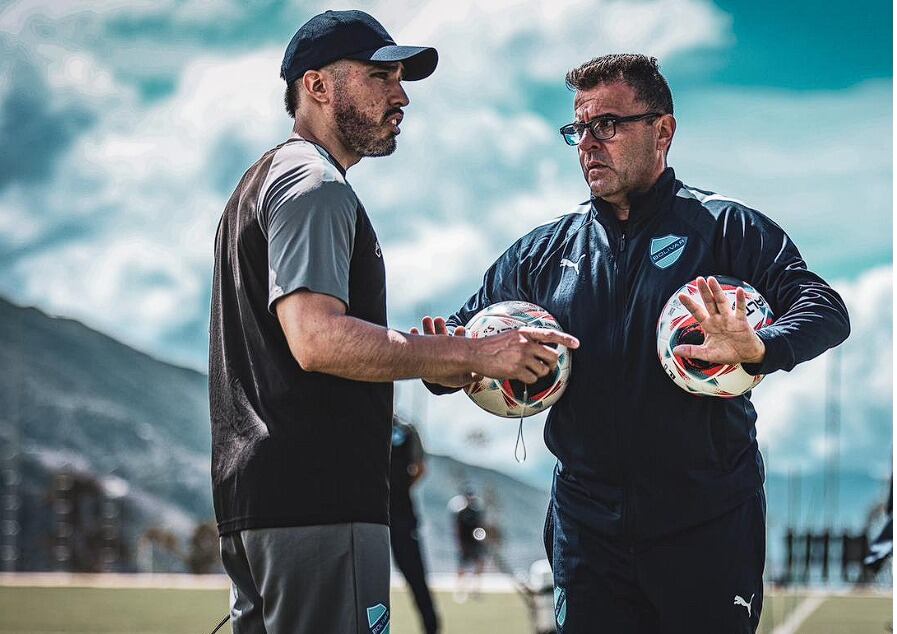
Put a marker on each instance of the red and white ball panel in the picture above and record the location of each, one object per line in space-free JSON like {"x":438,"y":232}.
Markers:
{"x":677,"y":326}
{"x":513,"y":399}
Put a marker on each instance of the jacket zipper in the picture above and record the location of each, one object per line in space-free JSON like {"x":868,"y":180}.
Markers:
{"x":620,"y":303}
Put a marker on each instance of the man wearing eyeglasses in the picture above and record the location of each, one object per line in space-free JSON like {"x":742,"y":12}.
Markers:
{"x":657,"y":519}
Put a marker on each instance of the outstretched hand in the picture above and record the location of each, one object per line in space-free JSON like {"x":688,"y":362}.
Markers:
{"x":523,"y":354}
{"x":728,"y":336}
{"x":437,"y":326}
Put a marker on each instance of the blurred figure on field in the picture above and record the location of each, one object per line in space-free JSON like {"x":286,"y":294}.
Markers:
{"x":407,"y":467}
{"x":470,"y":531}
{"x":882,"y":546}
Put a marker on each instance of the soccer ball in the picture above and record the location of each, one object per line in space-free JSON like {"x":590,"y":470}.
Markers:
{"x":677,"y":326}
{"x":510,"y":398}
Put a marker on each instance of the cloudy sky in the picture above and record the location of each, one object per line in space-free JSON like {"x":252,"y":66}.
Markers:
{"x":124,"y":127}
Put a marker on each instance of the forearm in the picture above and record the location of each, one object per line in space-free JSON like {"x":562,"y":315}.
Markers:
{"x":355,"y":349}
{"x":810,"y":316}
{"x":816,"y":321}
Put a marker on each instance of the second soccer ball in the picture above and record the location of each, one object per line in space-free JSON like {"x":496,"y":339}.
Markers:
{"x":509,"y":398}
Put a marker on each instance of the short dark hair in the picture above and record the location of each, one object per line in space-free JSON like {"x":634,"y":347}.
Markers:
{"x":638,"y":71}
{"x":291,"y":97}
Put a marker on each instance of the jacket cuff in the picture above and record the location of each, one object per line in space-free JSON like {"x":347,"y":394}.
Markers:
{"x":778,"y":356}
{"x":439,"y":390}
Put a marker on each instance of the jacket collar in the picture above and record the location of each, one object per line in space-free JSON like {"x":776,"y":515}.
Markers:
{"x":644,"y":205}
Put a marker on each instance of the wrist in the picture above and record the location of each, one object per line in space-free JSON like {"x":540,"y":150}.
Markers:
{"x":447,"y":357}
{"x":464,"y":355}
{"x":760,"y":352}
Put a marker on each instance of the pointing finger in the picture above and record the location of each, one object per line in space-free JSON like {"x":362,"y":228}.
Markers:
{"x":460,"y":331}
{"x":544,"y":335}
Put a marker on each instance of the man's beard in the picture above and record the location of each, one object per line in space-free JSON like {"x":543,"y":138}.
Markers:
{"x":360,"y":133}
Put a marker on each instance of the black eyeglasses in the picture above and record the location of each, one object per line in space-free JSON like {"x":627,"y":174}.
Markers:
{"x":602,"y":128}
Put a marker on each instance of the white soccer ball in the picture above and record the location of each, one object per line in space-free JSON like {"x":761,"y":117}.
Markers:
{"x":677,"y":326}
{"x":509,"y":398}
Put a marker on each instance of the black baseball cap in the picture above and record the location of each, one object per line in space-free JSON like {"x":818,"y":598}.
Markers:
{"x":334,"y":35}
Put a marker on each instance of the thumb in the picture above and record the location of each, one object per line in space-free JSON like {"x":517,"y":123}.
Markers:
{"x":691,"y":352}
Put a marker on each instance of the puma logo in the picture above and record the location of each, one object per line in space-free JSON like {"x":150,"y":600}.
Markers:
{"x":746,"y":604}
{"x":571,"y":264}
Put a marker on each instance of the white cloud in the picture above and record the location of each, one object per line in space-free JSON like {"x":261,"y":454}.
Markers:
{"x":792,"y":406}
{"x":158,"y":168}
{"x":78,"y":71}
{"x":133,"y":288}
{"x":471,"y":137}
{"x":544,"y":40}
{"x":465,"y":179}
{"x":143,"y":180}
{"x":121,"y":236}
{"x":808,"y":160}
{"x":477,"y":165}
{"x":433,"y":261}
{"x":20,"y":16}
{"x":17,"y":225}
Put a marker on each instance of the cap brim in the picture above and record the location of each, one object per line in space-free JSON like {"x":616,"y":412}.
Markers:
{"x":419,"y":61}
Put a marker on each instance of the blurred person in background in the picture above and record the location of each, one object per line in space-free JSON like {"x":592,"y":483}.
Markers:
{"x":407,"y":467}
{"x":469,"y":515}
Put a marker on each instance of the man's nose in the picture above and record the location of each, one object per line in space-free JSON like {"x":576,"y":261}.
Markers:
{"x":399,"y":98}
{"x":588,"y":142}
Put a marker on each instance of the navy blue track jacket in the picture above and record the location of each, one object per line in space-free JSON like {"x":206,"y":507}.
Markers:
{"x":651,"y":458}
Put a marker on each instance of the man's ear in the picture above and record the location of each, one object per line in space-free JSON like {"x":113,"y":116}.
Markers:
{"x":314,"y":84}
{"x":666,"y":130}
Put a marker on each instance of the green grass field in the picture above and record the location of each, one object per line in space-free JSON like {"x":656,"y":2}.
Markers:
{"x":40,"y":610}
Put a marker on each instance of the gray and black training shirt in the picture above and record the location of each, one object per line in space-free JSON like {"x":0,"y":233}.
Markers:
{"x":290,"y":447}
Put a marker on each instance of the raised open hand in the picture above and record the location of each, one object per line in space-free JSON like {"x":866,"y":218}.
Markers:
{"x":728,"y":336}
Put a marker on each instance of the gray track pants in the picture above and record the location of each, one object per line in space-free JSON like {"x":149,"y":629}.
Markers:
{"x":330,"y":579}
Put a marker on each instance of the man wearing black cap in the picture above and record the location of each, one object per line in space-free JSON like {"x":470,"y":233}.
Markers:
{"x":301,"y":361}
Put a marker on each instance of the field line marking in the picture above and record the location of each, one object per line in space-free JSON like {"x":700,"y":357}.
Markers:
{"x":800,"y":614}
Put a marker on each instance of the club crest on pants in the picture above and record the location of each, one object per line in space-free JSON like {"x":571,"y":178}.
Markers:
{"x":560,"y":605}
{"x":378,"y":619}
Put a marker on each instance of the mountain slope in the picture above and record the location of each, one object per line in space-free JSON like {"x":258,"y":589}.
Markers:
{"x":77,"y":400}
{"x":73,"y":399}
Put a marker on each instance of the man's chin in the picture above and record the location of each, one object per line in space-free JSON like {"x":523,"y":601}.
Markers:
{"x":602,"y":188}
{"x":384,"y":149}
